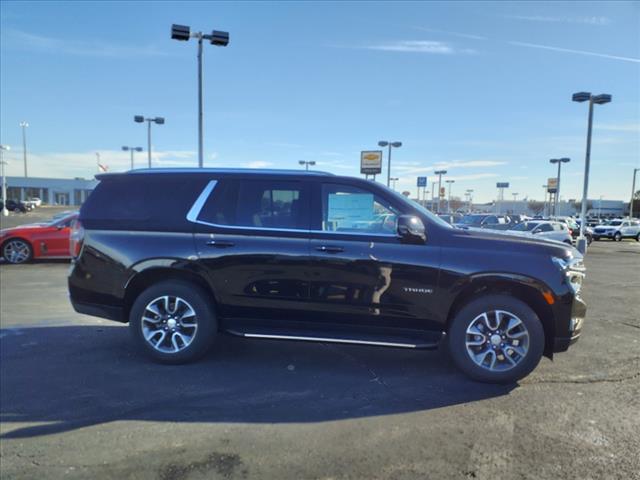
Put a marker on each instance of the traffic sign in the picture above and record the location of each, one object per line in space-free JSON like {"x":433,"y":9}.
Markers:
{"x":422,"y":181}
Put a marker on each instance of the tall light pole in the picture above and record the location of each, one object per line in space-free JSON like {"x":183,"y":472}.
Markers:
{"x":469,"y":192}
{"x":633,"y":191}
{"x":307,"y":163}
{"x":449,"y":197}
{"x":393,"y":182}
{"x":220,"y":39}
{"x":559,"y":161}
{"x":131,"y":149}
{"x":5,"y":212}
{"x":384,"y":143}
{"x":156,"y":120}
{"x":439,"y":173}
{"x":544,"y":203}
{"x":433,"y":187}
{"x":24,"y":126}
{"x":599,"y":100}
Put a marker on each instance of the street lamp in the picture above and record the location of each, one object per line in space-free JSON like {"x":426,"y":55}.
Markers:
{"x":393,"y":182}
{"x":307,"y":163}
{"x":5,"y":212}
{"x":384,"y":143}
{"x":599,"y":100}
{"x":131,"y":149}
{"x":439,"y":173}
{"x":24,"y":126}
{"x":449,"y":197}
{"x":469,"y":192}
{"x":559,"y":161}
{"x":544,"y":203}
{"x":633,"y":191}
{"x":157,"y":120}
{"x":220,"y":39}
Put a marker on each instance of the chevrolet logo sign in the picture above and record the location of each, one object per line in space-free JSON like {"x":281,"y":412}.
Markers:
{"x":371,"y":156}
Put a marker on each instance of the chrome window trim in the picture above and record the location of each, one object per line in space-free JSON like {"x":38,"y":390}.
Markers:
{"x":194,"y":212}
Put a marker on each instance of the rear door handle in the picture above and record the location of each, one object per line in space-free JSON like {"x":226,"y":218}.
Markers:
{"x":330,"y":249}
{"x":220,"y":244}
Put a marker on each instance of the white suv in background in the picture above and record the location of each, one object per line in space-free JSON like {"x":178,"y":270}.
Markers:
{"x":543,"y":229}
{"x":617,"y":230}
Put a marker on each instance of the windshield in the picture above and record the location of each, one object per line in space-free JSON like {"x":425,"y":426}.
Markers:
{"x":472,"y":219}
{"x":614,"y":223}
{"x":525,"y":226}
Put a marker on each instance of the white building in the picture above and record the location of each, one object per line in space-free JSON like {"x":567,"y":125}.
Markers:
{"x":52,"y":191}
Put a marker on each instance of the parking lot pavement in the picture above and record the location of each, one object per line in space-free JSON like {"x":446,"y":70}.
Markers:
{"x":78,"y":401}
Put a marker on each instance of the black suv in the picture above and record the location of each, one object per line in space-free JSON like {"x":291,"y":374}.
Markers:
{"x":184,"y":254}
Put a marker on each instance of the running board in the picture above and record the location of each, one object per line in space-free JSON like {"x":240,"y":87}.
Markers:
{"x":417,"y":340}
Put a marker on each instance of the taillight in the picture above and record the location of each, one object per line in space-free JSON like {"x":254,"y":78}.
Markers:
{"x":76,"y":238}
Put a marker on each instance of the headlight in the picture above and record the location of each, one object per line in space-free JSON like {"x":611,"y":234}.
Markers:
{"x":573,"y":271}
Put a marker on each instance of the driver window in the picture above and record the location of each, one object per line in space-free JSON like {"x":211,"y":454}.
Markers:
{"x":352,"y":209}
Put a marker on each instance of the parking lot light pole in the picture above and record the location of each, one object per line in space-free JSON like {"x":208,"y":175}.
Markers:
{"x":633,"y":191}
{"x":544,"y":202}
{"x":559,"y":161}
{"x":5,"y":212}
{"x":449,"y":196}
{"x":131,"y":149}
{"x":384,"y":143}
{"x":469,"y":192}
{"x":24,"y":126}
{"x":600,"y":100}
{"x":439,"y":173}
{"x":157,"y":120}
{"x":307,"y":163}
{"x":220,"y":39}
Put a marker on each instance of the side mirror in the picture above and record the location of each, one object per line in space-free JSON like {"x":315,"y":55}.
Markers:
{"x":411,"y":228}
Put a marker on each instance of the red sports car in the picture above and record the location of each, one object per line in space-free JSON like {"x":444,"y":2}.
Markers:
{"x":37,"y":240}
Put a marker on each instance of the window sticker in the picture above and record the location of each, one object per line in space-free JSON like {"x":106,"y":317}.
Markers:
{"x":349,"y":211}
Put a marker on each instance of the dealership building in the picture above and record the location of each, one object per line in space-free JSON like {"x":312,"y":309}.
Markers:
{"x":52,"y":191}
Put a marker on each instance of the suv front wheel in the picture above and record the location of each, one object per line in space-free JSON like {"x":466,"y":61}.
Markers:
{"x":173,"y":322}
{"x":496,"y":339}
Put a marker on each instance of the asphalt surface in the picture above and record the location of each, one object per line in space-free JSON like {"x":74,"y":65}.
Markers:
{"x":78,"y":401}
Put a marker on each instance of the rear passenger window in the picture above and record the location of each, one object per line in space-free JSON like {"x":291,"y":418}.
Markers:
{"x":257,"y":204}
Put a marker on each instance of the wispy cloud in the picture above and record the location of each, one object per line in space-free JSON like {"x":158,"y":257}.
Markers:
{"x":258,"y":164}
{"x":584,"y":20}
{"x":412,"y":168}
{"x":418,"y":46}
{"x":84,"y":164}
{"x":454,"y":34}
{"x":620,"y":127}
{"x":17,"y":39}
{"x":579,"y":52}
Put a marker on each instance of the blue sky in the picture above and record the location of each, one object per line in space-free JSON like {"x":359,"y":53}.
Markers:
{"x":481,"y":89}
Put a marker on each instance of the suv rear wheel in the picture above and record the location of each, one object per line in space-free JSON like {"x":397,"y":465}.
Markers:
{"x":496,"y":339}
{"x":173,"y":322}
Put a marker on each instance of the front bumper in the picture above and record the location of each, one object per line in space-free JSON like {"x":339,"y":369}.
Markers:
{"x":575,"y":324}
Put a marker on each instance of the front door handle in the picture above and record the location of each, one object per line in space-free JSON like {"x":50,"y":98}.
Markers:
{"x":220,"y":244}
{"x":330,"y":249}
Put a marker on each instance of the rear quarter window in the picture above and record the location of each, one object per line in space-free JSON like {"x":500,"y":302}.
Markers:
{"x":158,"y":202}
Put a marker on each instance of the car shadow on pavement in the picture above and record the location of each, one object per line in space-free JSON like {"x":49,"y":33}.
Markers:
{"x":57,"y":379}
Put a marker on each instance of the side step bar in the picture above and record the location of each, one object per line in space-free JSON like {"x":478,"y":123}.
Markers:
{"x":424,"y":340}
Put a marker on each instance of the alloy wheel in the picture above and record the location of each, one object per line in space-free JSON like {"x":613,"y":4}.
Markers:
{"x":497,"y":340}
{"x":169,"y":324}
{"x":16,"y":251}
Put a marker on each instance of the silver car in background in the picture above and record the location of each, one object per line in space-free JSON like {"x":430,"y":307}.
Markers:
{"x":543,"y":229}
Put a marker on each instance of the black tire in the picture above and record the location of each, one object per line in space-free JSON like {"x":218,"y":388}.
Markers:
{"x":638,"y":237}
{"x":589,"y":239}
{"x":9,"y":244}
{"x":617,"y":237}
{"x":458,"y":333}
{"x":597,"y":239}
{"x":205,"y":318}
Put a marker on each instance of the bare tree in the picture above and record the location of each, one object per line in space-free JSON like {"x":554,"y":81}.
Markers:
{"x":536,"y":206}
